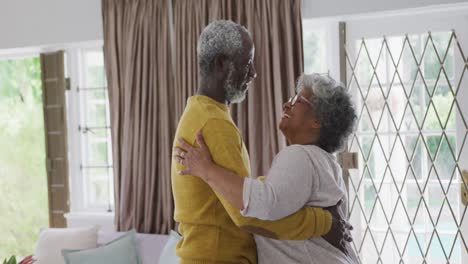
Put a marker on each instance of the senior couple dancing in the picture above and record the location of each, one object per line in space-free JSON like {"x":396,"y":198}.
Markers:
{"x":297,"y":212}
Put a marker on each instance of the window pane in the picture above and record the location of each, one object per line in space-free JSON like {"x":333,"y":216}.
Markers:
{"x":98,"y":187}
{"x":413,"y":197}
{"x":414,"y":252}
{"x":431,"y":65}
{"x":95,"y":108}
{"x":443,"y":100}
{"x":432,"y":56}
{"x":96,"y":147}
{"x":96,"y":95}
{"x":314,"y":50}
{"x":397,"y":104}
{"x":363,"y":72}
{"x":417,"y":161}
{"x":99,"y":192}
{"x":369,"y":197}
{"x":408,"y":67}
{"x":418,"y":103}
{"x":365,"y":123}
{"x":94,"y":69}
{"x":437,"y":206}
{"x":445,"y":161}
{"x":375,"y":102}
{"x":97,"y":153}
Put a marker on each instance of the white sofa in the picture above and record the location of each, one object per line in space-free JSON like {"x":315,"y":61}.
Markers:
{"x":149,"y":245}
{"x":49,"y":245}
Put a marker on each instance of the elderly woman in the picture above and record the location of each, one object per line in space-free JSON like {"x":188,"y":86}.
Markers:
{"x":316,"y":123}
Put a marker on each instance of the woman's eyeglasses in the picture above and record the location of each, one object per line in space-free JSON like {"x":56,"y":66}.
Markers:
{"x":298,"y":98}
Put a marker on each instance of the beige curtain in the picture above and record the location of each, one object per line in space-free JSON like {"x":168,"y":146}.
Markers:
{"x":276,"y":29}
{"x":137,"y":54}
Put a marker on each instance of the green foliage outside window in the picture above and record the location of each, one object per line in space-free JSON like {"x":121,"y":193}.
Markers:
{"x":23,"y":182}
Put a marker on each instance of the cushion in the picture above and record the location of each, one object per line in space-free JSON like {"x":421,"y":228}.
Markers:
{"x":168,"y":254}
{"x":123,"y":250}
{"x":52,"y":241}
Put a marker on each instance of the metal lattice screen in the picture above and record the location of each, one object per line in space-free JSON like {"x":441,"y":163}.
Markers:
{"x":404,"y":199}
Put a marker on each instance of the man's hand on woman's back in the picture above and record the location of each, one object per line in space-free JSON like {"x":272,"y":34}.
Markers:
{"x":340,"y":232}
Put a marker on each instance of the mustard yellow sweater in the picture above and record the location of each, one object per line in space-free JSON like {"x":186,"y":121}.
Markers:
{"x":213,"y":230}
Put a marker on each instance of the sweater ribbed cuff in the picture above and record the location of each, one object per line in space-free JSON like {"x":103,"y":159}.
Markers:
{"x":327,"y":222}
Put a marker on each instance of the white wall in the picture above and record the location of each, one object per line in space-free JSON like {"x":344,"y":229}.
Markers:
{"x":330,"y":8}
{"x":32,"y":23}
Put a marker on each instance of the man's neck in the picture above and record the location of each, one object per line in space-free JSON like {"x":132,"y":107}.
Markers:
{"x":212,"y":90}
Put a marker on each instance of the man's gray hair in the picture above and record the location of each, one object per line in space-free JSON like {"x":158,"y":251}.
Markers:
{"x":221,"y":37}
{"x":333,"y":107}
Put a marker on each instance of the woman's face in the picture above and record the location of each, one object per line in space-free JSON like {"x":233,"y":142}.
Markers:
{"x":298,"y":116}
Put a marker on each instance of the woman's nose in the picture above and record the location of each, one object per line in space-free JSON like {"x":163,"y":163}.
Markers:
{"x":286,"y":105}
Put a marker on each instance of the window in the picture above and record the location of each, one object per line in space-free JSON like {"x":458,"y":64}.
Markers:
{"x":407,"y":72}
{"x":408,"y":145}
{"x":89,"y":132}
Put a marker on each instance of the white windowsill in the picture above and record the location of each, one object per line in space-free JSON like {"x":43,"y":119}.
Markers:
{"x":93,"y":215}
{"x":102,"y":219}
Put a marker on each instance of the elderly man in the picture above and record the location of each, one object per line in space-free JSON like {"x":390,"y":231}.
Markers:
{"x":212,"y":229}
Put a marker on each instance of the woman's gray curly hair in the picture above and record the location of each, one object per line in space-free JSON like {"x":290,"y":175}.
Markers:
{"x":333,"y":107}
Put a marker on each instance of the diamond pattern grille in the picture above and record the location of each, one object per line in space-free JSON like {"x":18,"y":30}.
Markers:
{"x":411,"y":135}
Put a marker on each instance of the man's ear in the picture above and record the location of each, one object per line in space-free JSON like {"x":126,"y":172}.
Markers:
{"x":221,"y":64}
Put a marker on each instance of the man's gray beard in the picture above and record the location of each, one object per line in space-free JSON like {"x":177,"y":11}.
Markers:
{"x":234,"y":93}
